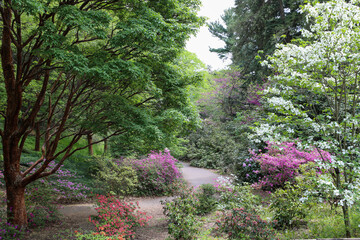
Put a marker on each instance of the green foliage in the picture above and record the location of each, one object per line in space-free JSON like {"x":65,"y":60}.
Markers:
{"x":323,"y":222}
{"x":237,"y":196}
{"x":206,"y":199}
{"x":9,"y":231}
{"x":332,"y":60}
{"x":287,"y":207}
{"x":212,"y":147}
{"x":119,"y":179}
{"x":181,"y":213}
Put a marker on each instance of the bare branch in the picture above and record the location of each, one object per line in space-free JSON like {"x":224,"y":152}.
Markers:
{"x":33,"y":166}
{"x":146,"y":100}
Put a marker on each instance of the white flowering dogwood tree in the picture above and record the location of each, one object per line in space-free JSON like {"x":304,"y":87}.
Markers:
{"x":316,"y":85}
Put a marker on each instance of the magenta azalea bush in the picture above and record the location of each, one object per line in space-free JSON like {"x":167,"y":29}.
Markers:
{"x":281,"y":161}
{"x":156,"y":173}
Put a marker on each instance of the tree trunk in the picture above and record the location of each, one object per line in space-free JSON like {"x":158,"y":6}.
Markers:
{"x":345,"y":209}
{"x":16,"y":209}
{"x":37,"y":137}
{"x":90,"y":140}
{"x":15,"y":190}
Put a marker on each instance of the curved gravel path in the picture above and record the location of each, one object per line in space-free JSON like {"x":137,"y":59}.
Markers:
{"x":197,"y":176}
{"x":157,"y":228}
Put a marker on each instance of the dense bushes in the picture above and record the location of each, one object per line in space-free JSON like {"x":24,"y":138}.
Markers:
{"x":181,"y":215}
{"x":212,"y":147}
{"x":286,"y":205}
{"x":155,"y":174}
{"x":184,"y":211}
{"x":206,"y":199}
{"x":120,"y":179}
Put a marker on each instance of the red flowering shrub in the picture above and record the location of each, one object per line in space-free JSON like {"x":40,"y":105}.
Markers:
{"x":117,"y":217}
{"x":240,"y":224}
{"x":281,"y":161}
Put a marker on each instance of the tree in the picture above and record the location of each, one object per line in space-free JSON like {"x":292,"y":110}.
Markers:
{"x":224,"y":33}
{"x":257,"y":26}
{"x":324,"y":64}
{"x":86,"y":66}
{"x":189,"y":70}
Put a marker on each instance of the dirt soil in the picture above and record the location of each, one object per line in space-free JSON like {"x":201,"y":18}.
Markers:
{"x":76,"y":217}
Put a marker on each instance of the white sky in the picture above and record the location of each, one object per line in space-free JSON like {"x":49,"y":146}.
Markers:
{"x":200,"y":44}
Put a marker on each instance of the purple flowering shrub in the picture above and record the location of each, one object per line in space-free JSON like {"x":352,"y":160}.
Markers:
{"x":281,"y":162}
{"x":156,"y":173}
{"x":65,"y":185}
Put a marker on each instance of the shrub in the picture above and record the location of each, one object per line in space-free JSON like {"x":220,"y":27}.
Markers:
{"x":156,"y":173}
{"x":233,"y":195}
{"x":281,"y":161}
{"x":212,"y":147}
{"x":241,"y":224}
{"x":117,"y":217}
{"x":119,"y":179}
{"x":287,"y":207}
{"x":206,"y":200}
{"x":181,"y":215}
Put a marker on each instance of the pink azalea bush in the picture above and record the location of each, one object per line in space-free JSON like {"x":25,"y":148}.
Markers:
{"x":156,"y":173}
{"x":281,"y":161}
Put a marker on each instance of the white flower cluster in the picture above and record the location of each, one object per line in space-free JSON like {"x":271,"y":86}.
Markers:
{"x":225,"y":182}
{"x":266,"y":132}
{"x":281,"y":103}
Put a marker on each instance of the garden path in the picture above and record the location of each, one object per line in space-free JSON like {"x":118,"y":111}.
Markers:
{"x":157,"y":228}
